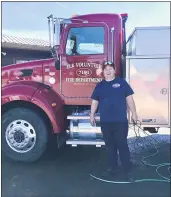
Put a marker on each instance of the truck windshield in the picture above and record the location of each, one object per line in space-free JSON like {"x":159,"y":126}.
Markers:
{"x":85,"y":40}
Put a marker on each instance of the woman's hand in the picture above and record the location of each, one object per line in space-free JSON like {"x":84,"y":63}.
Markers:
{"x":92,"y":120}
{"x":134,"y":118}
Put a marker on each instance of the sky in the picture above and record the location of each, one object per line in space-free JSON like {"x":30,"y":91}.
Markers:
{"x":29,"y":19}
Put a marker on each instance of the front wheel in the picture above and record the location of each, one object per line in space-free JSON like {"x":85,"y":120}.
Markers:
{"x":24,"y":135}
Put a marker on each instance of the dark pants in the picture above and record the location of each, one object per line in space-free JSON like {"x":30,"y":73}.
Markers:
{"x":115,"y":138}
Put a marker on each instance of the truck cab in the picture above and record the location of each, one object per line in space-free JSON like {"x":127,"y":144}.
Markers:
{"x":52,"y":97}
{"x":81,"y":46}
{"x":83,"y":43}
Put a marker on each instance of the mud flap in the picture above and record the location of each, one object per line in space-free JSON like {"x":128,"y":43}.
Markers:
{"x":62,"y":138}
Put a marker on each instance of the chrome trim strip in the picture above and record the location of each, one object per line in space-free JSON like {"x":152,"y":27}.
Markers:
{"x":85,"y":142}
{"x":148,"y":57}
{"x":112,"y":31}
{"x":81,"y":117}
{"x":155,"y":125}
{"x":60,"y":83}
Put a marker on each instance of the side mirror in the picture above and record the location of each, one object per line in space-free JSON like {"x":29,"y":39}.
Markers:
{"x":54,"y":30}
{"x":55,"y":55}
{"x":54,"y":51}
{"x":57,"y":64}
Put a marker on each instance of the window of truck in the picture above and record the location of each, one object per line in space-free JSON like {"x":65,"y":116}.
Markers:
{"x":85,"y":41}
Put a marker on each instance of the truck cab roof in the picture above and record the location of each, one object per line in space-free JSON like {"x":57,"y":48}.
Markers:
{"x":100,"y":17}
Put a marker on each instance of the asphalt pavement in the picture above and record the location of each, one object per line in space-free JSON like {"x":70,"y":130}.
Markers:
{"x":66,"y":173}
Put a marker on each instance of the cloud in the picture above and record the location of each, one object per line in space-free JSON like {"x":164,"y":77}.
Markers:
{"x":156,"y":14}
{"x":30,"y":18}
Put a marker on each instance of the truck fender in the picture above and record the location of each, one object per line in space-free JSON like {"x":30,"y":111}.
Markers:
{"x":37,"y":94}
{"x":19,"y":91}
{"x":51,"y":103}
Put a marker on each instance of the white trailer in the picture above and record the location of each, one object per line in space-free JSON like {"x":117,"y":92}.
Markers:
{"x":148,"y":73}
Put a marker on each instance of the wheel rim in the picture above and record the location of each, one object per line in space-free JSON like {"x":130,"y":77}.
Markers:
{"x":20,"y":136}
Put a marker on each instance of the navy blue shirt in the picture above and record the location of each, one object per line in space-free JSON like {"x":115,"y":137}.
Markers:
{"x":112,"y":99}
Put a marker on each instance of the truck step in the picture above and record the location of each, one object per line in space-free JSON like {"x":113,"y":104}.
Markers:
{"x":97,"y":143}
{"x":81,"y":117}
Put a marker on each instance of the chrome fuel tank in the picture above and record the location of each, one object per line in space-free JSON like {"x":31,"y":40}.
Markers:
{"x":82,"y":129}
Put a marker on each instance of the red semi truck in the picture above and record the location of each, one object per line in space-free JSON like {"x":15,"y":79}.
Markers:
{"x":52,"y":96}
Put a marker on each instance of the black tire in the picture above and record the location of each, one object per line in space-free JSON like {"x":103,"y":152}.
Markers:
{"x":39,"y":126}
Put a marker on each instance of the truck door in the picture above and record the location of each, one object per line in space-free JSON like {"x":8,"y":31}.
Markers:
{"x":85,"y":48}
